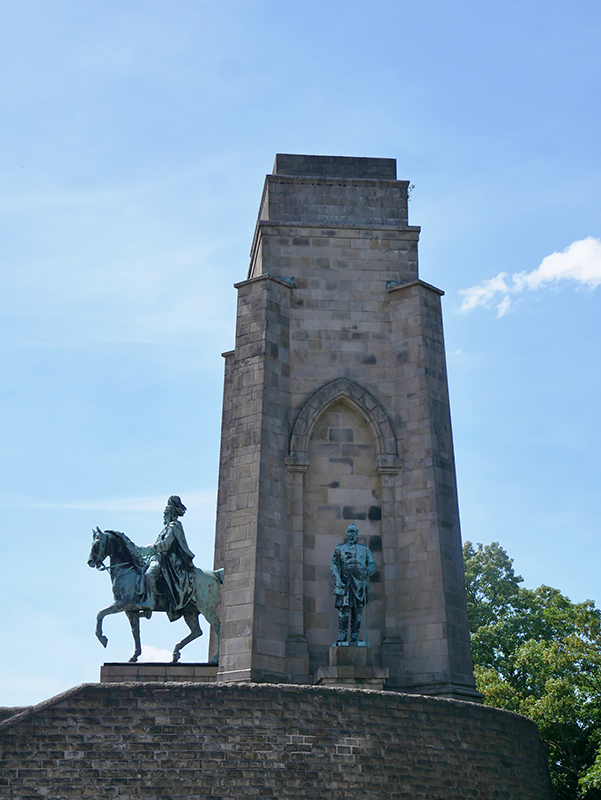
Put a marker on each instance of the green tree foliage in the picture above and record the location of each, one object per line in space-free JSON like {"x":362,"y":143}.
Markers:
{"x":537,"y":653}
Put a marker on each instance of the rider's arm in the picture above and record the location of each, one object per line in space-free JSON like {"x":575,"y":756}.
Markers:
{"x":164,"y":542}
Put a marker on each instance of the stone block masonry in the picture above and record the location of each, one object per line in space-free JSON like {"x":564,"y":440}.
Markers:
{"x":168,"y":672}
{"x":177,"y":741}
{"x":336,"y":411}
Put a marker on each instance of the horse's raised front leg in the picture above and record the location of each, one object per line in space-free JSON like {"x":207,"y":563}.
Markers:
{"x":213,"y":620}
{"x":195,"y":632}
{"x":134,"y":621}
{"x":114,"y":609}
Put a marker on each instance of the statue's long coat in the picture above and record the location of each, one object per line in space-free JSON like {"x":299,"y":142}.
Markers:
{"x":177,"y":569}
{"x":352,"y":565}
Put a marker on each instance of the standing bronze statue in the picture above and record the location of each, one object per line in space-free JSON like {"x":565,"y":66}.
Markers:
{"x":352,"y":566}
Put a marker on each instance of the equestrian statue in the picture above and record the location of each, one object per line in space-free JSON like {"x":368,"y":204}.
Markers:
{"x":157,"y":577}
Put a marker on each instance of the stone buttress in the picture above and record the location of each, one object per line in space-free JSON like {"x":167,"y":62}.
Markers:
{"x":335,"y":411}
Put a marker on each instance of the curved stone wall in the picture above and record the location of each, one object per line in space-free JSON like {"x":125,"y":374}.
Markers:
{"x":229,"y":741}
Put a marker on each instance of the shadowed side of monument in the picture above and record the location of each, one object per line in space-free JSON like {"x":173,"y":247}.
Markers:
{"x":335,"y":412}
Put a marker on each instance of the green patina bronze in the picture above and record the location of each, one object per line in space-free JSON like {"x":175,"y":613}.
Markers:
{"x":157,"y":577}
{"x":351,"y":567}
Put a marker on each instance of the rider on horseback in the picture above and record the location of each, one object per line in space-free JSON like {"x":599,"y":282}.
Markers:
{"x":171,"y":559}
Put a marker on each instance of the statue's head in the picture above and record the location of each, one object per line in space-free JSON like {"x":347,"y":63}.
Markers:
{"x":352,"y":534}
{"x":174,"y":508}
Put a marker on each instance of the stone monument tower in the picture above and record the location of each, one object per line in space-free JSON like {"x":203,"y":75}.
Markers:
{"x":335,"y":417}
{"x":335,"y":412}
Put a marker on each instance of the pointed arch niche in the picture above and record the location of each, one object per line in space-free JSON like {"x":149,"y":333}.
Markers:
{"x":343,"y":454}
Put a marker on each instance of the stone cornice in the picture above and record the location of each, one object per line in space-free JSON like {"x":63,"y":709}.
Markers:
{"x":335,"y":181}
{"x":287,"y":282}
{"x":407,"y":285}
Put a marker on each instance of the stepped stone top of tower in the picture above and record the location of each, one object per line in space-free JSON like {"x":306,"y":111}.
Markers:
{"x":383,"y":169}
{"x":330,"y":191}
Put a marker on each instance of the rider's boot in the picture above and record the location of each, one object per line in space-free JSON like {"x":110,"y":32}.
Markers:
{"x":147,"y":604}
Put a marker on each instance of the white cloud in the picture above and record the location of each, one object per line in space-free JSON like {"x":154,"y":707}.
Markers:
{"x":503,"y":306}
{"x":155,"y":654}
{"x":580,"y":262}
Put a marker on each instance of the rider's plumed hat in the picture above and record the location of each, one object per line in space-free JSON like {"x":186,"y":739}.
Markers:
{"x":176,"y":504}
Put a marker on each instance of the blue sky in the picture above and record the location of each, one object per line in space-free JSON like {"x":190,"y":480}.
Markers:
{"x":134,"y":141}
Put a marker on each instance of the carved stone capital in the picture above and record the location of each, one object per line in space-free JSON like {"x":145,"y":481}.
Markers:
{"x":297,"y":462}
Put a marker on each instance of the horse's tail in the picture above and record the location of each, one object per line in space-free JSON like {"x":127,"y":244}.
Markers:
{"x":219,"y":575}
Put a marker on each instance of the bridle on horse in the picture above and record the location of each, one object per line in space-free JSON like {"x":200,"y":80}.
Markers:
{"x":102,"y":567}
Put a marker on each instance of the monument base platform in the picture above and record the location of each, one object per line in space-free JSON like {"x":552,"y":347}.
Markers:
{"x":197,"y":740}
{"x":348,"y":666}
{"x":124,"y":672}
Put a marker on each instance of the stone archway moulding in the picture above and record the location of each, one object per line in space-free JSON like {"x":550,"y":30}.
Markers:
{"x":368,"y":407}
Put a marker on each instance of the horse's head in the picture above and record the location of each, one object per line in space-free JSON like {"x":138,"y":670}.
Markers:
{"x":99,"y":551}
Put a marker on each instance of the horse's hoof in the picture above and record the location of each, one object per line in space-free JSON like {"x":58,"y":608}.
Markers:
{"x":103,"y":640}
{"x":133,"y":660}
{"x":214,"y":661}
{"x":176,"y":658}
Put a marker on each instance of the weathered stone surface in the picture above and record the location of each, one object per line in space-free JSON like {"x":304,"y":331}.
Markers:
{"x":336,"y":411}
{"x":335,"y":166}
{"x":351,"y":666}
{"x":11,"y":711}
{"x":227,"y":741}
{"x":167,"y":672}
{"x":354,"y":677}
